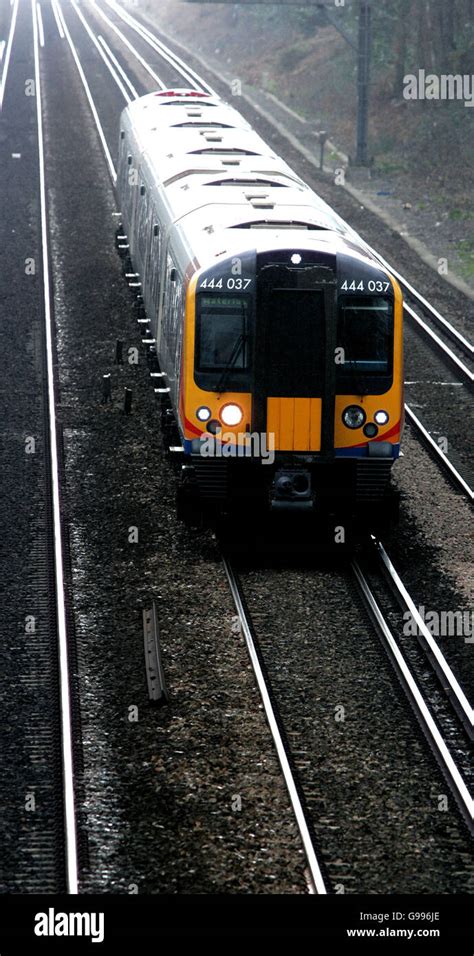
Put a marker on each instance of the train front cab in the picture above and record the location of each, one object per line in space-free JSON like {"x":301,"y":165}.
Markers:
{"x":291,"y":395}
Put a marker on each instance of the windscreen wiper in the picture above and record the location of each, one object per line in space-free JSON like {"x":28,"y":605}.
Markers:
{"x":352,"y":372}
{"x":238,"y":345}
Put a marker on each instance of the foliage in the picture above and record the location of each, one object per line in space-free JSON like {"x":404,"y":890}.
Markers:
{"x":436,"y":35}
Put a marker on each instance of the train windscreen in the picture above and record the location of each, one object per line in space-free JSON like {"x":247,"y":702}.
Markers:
{"x":222,"y":341}
{"x":364,"y":358}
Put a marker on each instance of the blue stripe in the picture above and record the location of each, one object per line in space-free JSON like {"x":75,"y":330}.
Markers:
{"x":362,"y":452}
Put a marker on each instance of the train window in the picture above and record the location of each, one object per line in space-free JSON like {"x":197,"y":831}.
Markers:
{"x":365,"y":334}
{"x":153,"y":262}
{"x":141,"y":217}
{"x":222,"y":334}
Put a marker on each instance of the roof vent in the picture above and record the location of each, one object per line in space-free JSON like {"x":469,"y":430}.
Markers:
{"x":197,"y":124}
{"x":276,"y":224}
{"x":262,"y":204}
{"x":224,"y":150}
{"x":251,"y":185}
{"x":188,"y":172}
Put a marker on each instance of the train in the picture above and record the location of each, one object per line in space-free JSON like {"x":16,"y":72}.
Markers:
{"x":277,"y":335}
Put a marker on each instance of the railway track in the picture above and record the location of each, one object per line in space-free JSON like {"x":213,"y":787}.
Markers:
{"x":438,"y":454}
{"x":58,"y":567}
{"x":396,"y":650}
{"x":444,"y":672}
{"x":446,"y":724}
{"x":316,"y":880}
{"x":39,"y":839}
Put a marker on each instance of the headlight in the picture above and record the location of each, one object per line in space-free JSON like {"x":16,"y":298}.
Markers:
{"x":381,"y":417}
{"x":370,"y":430}
{"x":231,"y":414}
{"x":353,"y":416}
{"x":203,"y":413}
{"x":213,"y":427}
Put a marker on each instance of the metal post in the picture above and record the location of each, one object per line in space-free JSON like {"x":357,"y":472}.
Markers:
{"x":363,"y":80}
{"x":322,"y":141}
{"x":106,"y":389}
{"x":127,"y":401}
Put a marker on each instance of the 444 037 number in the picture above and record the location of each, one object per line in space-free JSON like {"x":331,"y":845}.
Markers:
{"x":236,"y":284}
{"x":373,"y":285}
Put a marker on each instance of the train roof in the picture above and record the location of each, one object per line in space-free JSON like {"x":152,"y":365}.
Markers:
{"x":213,"y":182}
{"x":176,"y":140}
{"x":266,"y":235}
{"x":170,"y":158}
{"x":167,"y":108}
{"x":191,"y":170}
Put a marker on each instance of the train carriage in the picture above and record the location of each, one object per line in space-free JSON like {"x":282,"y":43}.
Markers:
{"x":278,"y":334}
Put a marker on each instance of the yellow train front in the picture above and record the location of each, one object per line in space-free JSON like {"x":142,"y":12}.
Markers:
{"x":291,"y":383}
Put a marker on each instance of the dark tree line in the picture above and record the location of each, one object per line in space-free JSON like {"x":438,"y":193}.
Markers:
{"x":408,"y":35}
{"x":435,"y":35}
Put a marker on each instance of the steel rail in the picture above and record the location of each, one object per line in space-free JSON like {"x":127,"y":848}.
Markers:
{"x":460,"y":367}
{"x":146,"y":66}
{"x":120,"y":70}
{"x":164,"y":51}
{"x":314,"y":868}
{"x":57,"y":18}
{"x":440,"y":456}
{"x":39,"y":16}
{"x":70,"y":831}
{"x":415,"y":697}
{"x":8,"y":51}
{"x":452,"y":686}
{"x":102,"y":53}
{"x":110,"y":163}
